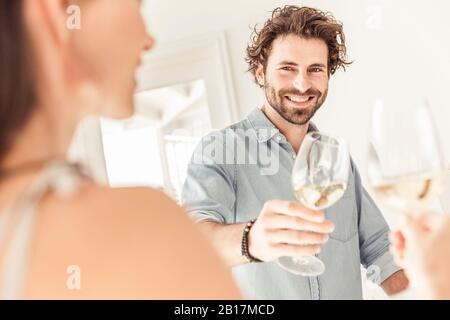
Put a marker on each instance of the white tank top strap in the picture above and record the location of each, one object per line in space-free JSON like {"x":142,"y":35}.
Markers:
{"x":19,"y":222}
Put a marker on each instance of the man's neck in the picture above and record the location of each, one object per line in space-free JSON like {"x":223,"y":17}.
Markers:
{"x":293,"y":133}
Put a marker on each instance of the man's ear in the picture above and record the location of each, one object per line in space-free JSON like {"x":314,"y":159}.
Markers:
{"x":260,"y":76}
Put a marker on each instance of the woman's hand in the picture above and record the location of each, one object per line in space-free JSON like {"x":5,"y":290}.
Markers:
{"x":422,"y":248}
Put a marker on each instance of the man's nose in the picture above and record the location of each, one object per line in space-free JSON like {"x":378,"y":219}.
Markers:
{"x":302,"y":82}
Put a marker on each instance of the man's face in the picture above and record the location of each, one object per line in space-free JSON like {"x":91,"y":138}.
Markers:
{"x":296,"y":77}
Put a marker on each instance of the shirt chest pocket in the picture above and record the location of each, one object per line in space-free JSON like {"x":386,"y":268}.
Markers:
{"x":344,"y":216}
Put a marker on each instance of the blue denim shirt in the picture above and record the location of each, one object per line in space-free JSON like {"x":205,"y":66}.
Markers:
{"x":232,"y":174}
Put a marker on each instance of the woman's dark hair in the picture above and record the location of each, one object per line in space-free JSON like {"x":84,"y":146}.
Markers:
{"x":17,"y":90}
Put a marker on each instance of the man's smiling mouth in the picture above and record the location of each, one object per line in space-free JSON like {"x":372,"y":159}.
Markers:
{"x":299,"y":100}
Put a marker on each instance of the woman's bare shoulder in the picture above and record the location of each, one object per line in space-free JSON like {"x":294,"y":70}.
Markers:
{"x":93,"y":194}
{"x":129,"y":210}
{"x":148,"y":243}
{"x":127,"y":203}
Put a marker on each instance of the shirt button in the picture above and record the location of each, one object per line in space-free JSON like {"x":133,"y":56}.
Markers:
{"x":294,"y":156}
{"x":279,"y":138}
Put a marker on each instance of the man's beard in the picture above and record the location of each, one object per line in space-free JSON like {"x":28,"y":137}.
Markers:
{"x":297,"y":116}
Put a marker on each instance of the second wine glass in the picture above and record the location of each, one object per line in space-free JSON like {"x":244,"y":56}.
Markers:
{"x":406,"y":166}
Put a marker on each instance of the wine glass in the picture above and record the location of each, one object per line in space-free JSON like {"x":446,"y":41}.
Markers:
{"x":405,"y":167}
{"x":319,"y":180}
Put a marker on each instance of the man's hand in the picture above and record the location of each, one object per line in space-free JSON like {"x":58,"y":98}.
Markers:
{"x":286,"y":228}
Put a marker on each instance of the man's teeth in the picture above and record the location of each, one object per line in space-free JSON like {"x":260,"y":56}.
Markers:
{"x":299,"y":99}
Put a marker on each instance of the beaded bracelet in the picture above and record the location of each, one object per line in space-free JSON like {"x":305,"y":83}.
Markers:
{"x":244,"y":247}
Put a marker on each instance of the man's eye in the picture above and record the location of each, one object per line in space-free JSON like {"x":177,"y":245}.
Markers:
{"x":316,"y":70}
{"x":286,"y":68}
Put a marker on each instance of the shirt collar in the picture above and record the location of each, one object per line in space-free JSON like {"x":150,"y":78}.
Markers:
{"x":264,"y":129}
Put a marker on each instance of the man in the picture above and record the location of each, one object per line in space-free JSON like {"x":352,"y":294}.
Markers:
{"x":231,"y":180}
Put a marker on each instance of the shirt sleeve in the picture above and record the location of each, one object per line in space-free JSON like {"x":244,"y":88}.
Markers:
{"x":373,"y":234}
{"x":209,"y":190}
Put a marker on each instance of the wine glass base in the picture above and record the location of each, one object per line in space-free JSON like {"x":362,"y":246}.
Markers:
{"x":307,"y":266}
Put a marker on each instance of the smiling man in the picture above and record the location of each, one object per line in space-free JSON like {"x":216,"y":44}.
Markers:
{"x":249,"y":213}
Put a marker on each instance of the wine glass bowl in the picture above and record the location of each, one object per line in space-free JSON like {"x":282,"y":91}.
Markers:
{"x":319,"y":180}
{"x":405,"y":163}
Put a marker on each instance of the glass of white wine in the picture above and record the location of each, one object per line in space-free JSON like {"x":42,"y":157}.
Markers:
{"x":405,"y":166}
{"x":319,"y":179}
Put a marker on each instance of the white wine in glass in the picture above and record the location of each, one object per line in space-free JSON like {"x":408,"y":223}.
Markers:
{"x":406,"y":167}
{"x":319,"y":179}
{"x":320,"y":197}
{"x":410,"y":192}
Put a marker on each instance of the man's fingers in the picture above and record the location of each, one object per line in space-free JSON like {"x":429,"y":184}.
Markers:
{"x":294,"y":209}
{"x":296,"y":237}
{"x":296,"y":250}
{"x":281,"y":221}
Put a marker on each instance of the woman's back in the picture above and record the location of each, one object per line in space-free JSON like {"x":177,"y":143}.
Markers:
{"x":100,"y":243}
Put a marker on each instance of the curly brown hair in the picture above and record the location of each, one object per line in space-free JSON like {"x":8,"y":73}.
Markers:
{"x":304,"y":22}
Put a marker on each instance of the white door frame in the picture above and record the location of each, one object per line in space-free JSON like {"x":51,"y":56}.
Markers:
{"x":204,"y":57}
